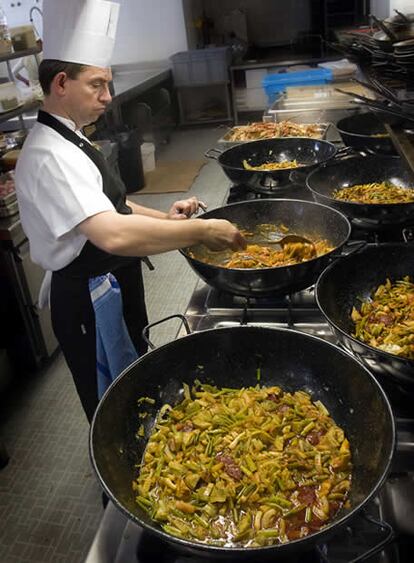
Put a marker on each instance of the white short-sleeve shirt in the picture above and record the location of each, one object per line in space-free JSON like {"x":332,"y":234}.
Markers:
{"x":58,"y":186}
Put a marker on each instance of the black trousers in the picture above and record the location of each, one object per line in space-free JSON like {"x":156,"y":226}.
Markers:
{"x":73,"y":321}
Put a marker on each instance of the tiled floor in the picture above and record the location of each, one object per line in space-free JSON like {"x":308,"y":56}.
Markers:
{"x":50,"y":502}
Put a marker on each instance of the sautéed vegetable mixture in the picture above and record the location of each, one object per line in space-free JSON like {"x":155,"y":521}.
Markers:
{"x":244,"y":467}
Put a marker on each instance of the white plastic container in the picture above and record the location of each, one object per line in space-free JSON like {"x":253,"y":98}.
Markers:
{"x":255,"y":77}
{"x":9,"y":96}
{"x":148,"y":156}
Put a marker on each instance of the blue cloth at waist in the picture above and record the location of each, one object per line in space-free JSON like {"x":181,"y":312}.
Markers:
{"x":114,"y":348}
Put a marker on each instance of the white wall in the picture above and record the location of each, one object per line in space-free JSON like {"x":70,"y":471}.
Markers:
{"x":405,"y":6}
{"x":20,"y":15}
{"x":149,"y":30}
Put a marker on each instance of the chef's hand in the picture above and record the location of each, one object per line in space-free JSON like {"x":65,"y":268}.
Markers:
{"x":185,"y":208}
{"x":221,"y":234}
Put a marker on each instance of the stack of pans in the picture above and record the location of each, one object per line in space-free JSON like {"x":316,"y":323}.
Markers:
{"x":404,"y":54}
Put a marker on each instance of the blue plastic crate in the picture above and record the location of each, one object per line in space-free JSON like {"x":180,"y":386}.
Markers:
{"x":274,"y":84}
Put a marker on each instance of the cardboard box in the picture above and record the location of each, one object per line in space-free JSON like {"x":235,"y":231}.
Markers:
{"x":23,"y":37}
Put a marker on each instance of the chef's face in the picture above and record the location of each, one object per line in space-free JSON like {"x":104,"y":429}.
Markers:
{"x":87,"y":96}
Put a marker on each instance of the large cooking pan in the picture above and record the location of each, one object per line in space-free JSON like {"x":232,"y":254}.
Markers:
{"x":302,"y":217}
{"x":344,"y":283}
{"x":359,"y":132}
{"x":307,"y":152}
{"x":230,"y":357}
{"x":323,"y":181}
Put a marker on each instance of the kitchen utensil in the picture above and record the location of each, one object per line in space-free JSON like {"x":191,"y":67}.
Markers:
{"x":325,"y":180}
{"x":287,"y":239}
{"x":308,"y":153}
{"x":366,"y":132}
{"x":352,"y":279}
{"x":231,"y":357}
{"x":312,"y":220}
{"x":390,"y":34}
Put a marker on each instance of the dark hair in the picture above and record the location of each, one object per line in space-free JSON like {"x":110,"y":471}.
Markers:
{"x":49,"y":68}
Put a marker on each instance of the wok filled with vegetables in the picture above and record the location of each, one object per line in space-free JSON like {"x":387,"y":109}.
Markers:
{"x":263,"y":269}
{"x":375,"y":190}
{"x":368,"y":299}
{"x":243,"y":443}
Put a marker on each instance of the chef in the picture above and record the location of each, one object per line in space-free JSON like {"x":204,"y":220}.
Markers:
{"x":73,"y":208}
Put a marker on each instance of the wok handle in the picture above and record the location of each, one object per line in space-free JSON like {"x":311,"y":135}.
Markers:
{"x":213,"y":153}
{"x":345,"y":152}
{"x":146,"y":329}
{"x":341,"y":154}
{"x":352,"y":248}
{"x":382,"y":525}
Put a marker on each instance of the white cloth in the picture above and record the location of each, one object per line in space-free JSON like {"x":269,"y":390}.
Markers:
{"x":80,"y":31}
{"x":57,"y":187}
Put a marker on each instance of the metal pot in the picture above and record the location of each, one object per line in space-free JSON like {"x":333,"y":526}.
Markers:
{"x":302,"y":217}
{"x":344,"y":283}
{"x":309,"y":153}
{"x":230,"y":357}
{"x":323,"y":181}
{"x":358,"y":131}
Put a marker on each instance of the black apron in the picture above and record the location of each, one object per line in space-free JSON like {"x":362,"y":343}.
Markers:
{"x":72,"y":312}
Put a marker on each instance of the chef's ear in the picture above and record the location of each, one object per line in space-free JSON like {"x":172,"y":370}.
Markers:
{"x":59,"y":83}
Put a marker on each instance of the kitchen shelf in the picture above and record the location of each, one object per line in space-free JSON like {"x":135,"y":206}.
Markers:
{"x":25,"y":108}
{"x":19,"y":54}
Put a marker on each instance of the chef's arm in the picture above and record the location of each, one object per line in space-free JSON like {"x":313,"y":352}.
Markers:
{"x":141,"y":210}
{"x":140,"y":235}
{"x":181,"y":209}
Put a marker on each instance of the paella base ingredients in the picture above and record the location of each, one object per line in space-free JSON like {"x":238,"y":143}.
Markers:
{"x":375,"y":192}
{"x":262,"y":130}
{"x":386,"y":320}
{"x":260,"y":256}
{"x":244,"y":467}
{"x":271,"y":165}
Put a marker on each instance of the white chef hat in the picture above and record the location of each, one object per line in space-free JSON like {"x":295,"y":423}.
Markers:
{"x":80,"y":31}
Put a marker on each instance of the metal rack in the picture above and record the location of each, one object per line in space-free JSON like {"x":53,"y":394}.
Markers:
{"x":27,"y":107}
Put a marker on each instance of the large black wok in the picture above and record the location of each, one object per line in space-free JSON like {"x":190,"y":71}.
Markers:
{"x":359,"y":132}
{"x":323,"y":181}
{"x":307,"y":152}
{"x":302,"y":217}
{"x":230,"y":357}
{"x":344,"y":283}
